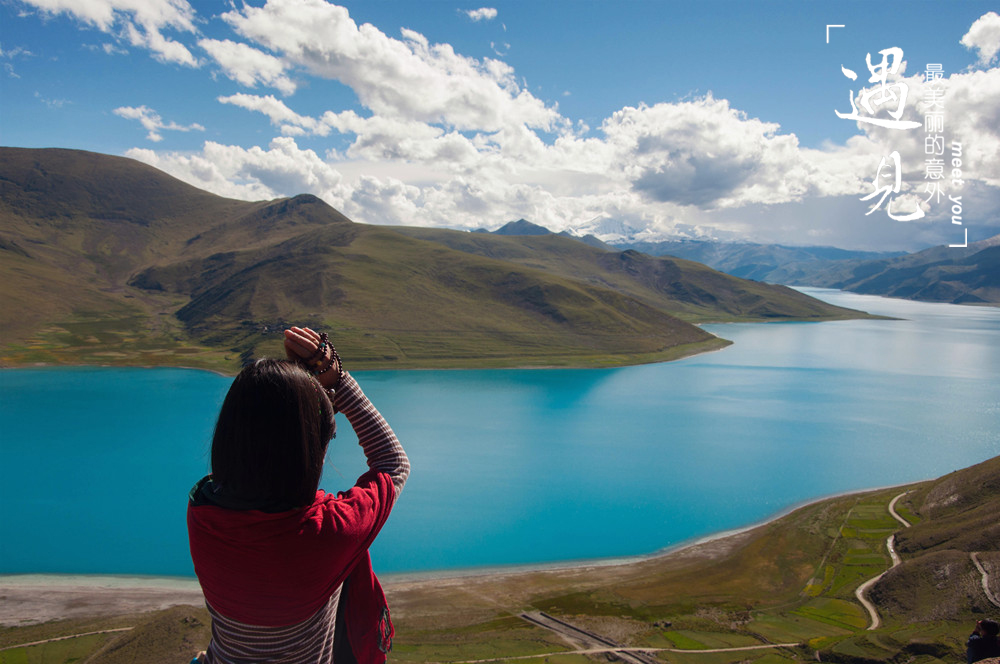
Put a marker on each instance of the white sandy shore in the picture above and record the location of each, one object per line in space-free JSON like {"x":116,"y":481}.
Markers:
{"x":27,"y":599}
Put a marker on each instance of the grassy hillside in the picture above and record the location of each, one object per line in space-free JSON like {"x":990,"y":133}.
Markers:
{"x":958,"y":516}
{"x":689,"y":290}
{"x":74,"y":226}
{"x":108,"y":261}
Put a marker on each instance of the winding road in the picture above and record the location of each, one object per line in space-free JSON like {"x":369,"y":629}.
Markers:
{"x":860,"y":593}
{"x":986,"y":579}
{"x":862,"y":590}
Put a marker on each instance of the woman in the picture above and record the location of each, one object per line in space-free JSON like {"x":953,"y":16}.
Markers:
{"x":284,"y":566}
{"x":983,"y":643}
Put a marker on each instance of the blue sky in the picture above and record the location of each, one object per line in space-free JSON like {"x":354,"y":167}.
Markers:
{"x":694,"y":119}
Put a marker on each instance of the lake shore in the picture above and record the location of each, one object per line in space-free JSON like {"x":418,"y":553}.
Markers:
{"x":30,"y":599}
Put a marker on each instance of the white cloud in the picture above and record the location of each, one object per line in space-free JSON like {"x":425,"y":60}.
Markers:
{"x":138,"y":21}
{"x":16,"y":52}
{"x":984,"y":37}
{"x":152,"y":121}
{"x":970,"y":102}
{"x":252,"y":174}
{"x":386,"y":139}
{"x":12,"y":54}
{"x":972,"y":105}
{"x":52,"y":103}
{"x":111,"y":49}
{"x":664,"y":168}
{"x":447,"y":140}
{"x":406,"y":78}
{"x":481,"y":14}
{"x":705,"y":154}
{"x":389,"y":202}
{"x":280,"y":115}
{"x":248,"y":66}
{"x":461,"y":181}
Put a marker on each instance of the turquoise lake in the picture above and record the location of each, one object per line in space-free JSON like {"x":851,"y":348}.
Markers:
{"x":527,"y":466}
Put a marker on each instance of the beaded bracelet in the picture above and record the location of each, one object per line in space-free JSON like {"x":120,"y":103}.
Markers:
{"x":324,"y":342}
{"x":317,"y":358}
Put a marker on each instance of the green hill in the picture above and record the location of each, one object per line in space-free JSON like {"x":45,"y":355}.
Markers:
{"x":109,"y":261}
{"x":957,"y":516}
{"x":687,"y":289}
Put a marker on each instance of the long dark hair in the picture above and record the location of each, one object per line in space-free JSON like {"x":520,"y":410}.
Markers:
{"x":272,"y":434}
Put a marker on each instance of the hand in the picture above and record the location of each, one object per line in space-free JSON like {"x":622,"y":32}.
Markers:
{"x":301,"y":345}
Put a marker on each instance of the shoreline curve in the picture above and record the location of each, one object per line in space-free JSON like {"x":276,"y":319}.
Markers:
{"x":36,"y":598}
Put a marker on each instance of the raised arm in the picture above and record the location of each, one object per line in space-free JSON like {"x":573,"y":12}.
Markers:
{"x":381,"y":447}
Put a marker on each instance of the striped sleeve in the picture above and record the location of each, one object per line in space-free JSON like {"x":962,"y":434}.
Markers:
{"x":381,"y":447}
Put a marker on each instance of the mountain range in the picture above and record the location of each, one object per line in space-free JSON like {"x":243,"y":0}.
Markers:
{"x":762,"y":262}
{"x":957,"y":275}
{"x":107,"y":260}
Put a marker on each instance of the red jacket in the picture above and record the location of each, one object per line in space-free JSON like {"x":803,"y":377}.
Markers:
{"x":276,"y":569}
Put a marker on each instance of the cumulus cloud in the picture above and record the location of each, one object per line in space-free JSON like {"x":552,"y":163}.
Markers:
{"x":389,"y":202}
{"x":972,"y":109}
{"x":386,"y":139}
{"x":252,"y":174}
{"x":651,"y":164}
{"x":152,"y":121}
{"x":376,"y":138}
{"x":984,"y":37}
{"x":706,"y":154}
{"x":446,"y":140}
{"x":969,"y":104}
{"x":248,"y":66}
{"x":407,"y":78}
{"x":668,"y":168}
{"x":139,"y":23}
{"x":481,"y":14}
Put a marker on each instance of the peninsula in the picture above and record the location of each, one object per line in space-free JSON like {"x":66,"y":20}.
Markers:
{"x":108,"y":261}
